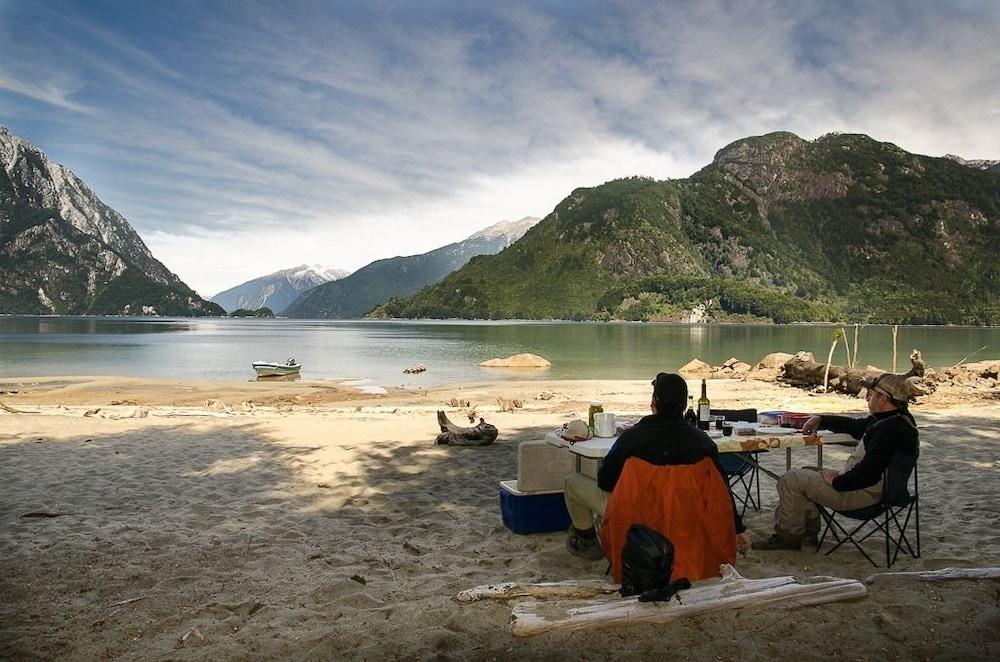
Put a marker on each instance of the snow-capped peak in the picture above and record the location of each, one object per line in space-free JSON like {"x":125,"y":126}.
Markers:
{"x":510,"y":230}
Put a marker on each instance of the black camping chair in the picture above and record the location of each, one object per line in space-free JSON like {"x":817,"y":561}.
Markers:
{"x":742,"y":474}
{"x":891,"y":516}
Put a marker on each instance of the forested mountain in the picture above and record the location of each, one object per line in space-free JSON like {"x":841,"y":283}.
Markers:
{"x":278,"y":290}
{"x":353,"y":296}
{"x":64,"y":251}
{"x":775,"y":228}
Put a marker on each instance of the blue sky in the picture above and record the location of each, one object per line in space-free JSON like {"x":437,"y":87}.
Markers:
{"x":244,"y":137}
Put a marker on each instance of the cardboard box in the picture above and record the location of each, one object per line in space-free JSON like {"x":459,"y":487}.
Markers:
{"x":532,"y":512}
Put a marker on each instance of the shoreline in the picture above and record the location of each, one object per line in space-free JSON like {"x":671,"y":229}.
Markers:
{"x":333,"y":527}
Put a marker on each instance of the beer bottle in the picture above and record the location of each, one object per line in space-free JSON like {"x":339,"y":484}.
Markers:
{"x":704,"y":408}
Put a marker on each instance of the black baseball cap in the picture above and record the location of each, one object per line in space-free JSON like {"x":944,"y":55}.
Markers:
{"x":670,"y":392}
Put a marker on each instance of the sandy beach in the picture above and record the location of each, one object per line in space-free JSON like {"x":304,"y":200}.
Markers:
{"x":310,"y":521}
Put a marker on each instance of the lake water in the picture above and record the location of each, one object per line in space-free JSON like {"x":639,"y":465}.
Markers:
{"x":222,"y":349}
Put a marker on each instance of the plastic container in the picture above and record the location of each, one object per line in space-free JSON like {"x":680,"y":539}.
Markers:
{"x":532,"y":512}
{"x":542,"y":467}
{"x":785,"y":419}
{"x":769,"y":417}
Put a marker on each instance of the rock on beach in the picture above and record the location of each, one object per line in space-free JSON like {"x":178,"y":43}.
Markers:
{"x":518,"y":361}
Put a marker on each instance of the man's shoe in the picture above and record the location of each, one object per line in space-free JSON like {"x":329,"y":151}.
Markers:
{"x":779,"y":541}
{"x":585,"y":548}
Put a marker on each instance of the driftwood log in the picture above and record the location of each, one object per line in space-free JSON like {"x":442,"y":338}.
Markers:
{"x":545,"y":590}
{"x":483,"y":434}
{"x":803,"y":370}
{"x":731,"y":592}
{"x":943,"y":575}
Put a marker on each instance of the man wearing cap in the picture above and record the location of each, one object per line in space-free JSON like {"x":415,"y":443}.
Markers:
{"x":662,"y":438}
{"x":889,"y":429}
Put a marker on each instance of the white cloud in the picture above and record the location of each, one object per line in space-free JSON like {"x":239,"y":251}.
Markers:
{"x":343,"y":139}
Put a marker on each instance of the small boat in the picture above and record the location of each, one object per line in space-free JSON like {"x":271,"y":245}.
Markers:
{"x":268,"y":369}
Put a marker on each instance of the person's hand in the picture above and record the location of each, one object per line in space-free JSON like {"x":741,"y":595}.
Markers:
{"x":743,"y":542}
{"x":829,"y":475}
{"x":809,"y":429}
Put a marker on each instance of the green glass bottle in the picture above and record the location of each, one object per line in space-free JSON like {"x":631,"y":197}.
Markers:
{"x":704,"y":408}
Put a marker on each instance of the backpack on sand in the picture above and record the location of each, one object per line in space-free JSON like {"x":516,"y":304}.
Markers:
{"x":647,"y":561}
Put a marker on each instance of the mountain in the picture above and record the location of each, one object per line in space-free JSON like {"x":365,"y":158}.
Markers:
{"x":353,"y":296}
{"x":277,"y":290}
{"x":775,"y":228}
{"x":978,"y":164}
{"x":64,"y":251}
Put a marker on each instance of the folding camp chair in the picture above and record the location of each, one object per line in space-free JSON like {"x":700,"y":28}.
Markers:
{"x":742,"y":474}
{"x":891,"y":515}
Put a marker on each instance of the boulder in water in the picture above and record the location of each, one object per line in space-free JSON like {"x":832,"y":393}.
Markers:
{"x":696,"y":367}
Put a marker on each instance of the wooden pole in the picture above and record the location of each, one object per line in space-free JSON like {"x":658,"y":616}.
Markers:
{"x":854,"y":360}
{"x":895,"y":330}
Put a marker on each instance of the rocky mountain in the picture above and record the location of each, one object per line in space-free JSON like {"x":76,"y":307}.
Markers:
{"x":64,"y":251}
{"x":353,"y":296}
{"x":277,"y":290}
{"x":775,"y":228}
{"x":978,"y":164}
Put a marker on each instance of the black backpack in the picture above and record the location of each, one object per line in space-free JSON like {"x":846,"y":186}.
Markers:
{"x":647,"y":561}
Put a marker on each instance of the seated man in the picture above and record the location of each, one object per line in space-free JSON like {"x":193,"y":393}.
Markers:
{"x":889,"y":429}
{"x":661,"y":438}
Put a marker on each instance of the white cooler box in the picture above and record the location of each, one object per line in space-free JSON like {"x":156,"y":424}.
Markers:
{"x":542,"y":467}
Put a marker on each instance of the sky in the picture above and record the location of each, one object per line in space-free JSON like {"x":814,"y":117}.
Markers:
{"x":241,"y":137}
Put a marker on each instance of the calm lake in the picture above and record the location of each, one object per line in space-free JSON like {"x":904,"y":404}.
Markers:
{"x":222,"y":349}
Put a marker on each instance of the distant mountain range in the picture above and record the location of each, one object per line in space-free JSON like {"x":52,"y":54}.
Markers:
{"x":775,"y":228}
{"x":376,"y":283}
{"x":64,"y":251}
{"x":277,"y":290}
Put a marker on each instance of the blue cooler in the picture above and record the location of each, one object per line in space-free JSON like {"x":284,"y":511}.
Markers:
{"x":532,"y":512}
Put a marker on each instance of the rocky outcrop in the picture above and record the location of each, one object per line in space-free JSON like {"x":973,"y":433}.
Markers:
{"x":64,"y":251}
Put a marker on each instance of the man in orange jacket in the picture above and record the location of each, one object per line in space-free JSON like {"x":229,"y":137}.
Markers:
{"x":661,"y":438}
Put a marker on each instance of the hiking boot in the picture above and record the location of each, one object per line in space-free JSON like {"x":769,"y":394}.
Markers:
{"x":585,"y":548}
{"x":779,"y":541}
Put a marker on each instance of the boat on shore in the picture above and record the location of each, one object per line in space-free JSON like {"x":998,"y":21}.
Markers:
{"x":268,"y":369}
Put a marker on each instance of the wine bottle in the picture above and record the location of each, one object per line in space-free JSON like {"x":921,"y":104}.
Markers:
{"x":704,"y":408}
{"x":689,"y":416}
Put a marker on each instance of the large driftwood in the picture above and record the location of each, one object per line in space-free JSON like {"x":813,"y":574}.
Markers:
{"x":943,"y":575}
{"x":483,"y":434}
{"x":508,"y":590}
{"x":803,"y":370}
{"x":732,"y":592}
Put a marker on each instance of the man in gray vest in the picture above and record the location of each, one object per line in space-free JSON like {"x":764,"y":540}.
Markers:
{"x":889,"y":429}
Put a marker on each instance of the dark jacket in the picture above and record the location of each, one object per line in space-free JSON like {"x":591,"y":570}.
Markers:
{"x":883,"y":434}
{"x":661,"y":439}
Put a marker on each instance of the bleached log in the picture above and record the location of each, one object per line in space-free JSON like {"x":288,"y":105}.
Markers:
{"x":802,"y":370}
{"x":732,"y":592}
{"x":943,"y":575}
{"x":508,"y":590}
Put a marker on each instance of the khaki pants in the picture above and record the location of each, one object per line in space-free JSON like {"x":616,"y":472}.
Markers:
{"x":799,"y":488}
{"x":584,"y":499}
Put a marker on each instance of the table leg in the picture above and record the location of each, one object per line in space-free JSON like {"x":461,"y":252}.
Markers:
{"x":788,"y":459}
{"x":819,"y":456}
{"x":752,"y":459}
